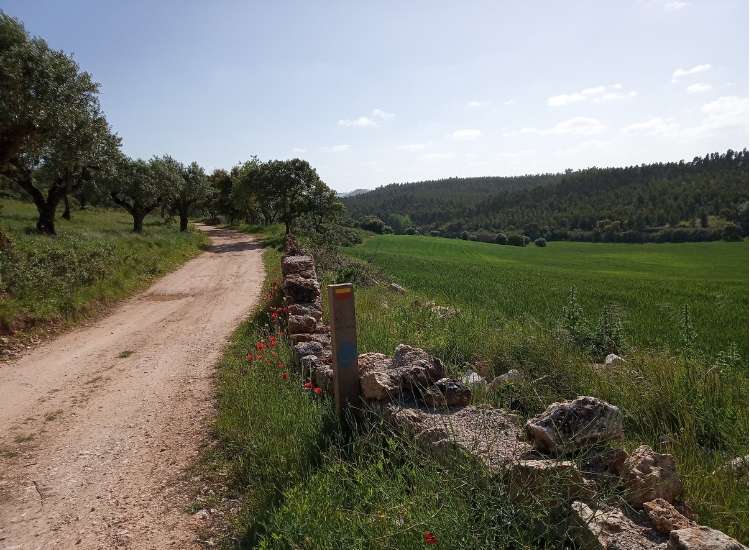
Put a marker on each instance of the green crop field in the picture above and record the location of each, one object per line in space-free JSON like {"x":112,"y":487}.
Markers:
{"x":650,"y":283}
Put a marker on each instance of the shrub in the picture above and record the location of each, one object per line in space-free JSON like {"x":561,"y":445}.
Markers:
{"x":410,"y":231}
{"x":525,"y":240}
{"x":374,"y":224}
{"x":435,"y":233}
{"x":731,"y":232}
{"x":541,"y":241}
{"x":516,"y":240}
{"x":501,"y":238}
{"x":465,"y":235}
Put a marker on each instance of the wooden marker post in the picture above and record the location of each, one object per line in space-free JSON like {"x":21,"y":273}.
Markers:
{"x":344,"y":341}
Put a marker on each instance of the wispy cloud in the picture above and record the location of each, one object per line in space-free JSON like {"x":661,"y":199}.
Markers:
{"x":675,"y":6}
{"x":366,"y":121}
{"x":335,"y":148}
{"x":718,"y":115}
{"x":413,"y":147}
{"x":657,"y":126}
{"x":466,"y":134}
{"x":476,"y":104}
{"x":581,"y":126}
{"x":509,"y":102}
{"x":299,"y":150}
{"x":697,"y":69}
{"x":598,"y":94}
{"x":698,"y":88}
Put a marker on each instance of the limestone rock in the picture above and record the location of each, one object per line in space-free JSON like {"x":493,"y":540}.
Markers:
{"x":447,"y":392}
{"x":306,"y":309}
{"x":609,"y":528}
{"x":300,"y":289}
{"x":309,"y":364}
{"x":513,"y":375}
{"x":613,"y":360}
{"x":605,"y":461}
{"x":471,"y":378}
{"x":299,"y":324}
{"x":571,"y":425}
{"x":665,"y":517}
{"x":416,"y":368}
{"x":368,"y":362}
{"x":397,"y":288}
{"x":379,"y":385}
{"x":301,"y":265}
{"x":648,"y":475}
{"x":702,"y":538}
{"x":307,"y":348}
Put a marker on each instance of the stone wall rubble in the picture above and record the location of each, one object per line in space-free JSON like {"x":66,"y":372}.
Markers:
{"x":411,"y":390}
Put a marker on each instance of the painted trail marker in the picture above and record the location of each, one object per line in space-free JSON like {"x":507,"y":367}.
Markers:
{"x":344,"y":340}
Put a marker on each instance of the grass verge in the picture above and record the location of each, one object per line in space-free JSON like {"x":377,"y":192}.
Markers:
{"x":93,"y":261}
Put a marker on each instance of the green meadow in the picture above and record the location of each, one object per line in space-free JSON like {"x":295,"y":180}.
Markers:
{"x":649,"y":284}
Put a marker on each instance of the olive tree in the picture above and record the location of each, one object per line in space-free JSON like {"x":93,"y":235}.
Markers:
{"x":139,"y":186}
{"x":192,"y":188}
{"x":290,"y":187}
{"x":51,"y":123}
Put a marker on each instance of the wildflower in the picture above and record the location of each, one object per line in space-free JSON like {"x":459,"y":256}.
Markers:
{"x":272,"y":341}
{"x":260,"y":345}
{"x":250,"y":357}
{"x":285,"y":375}
{"x":307,"y":385}
{"x":430,"y":538}
{"x":274,"y":316}
{"x":317,"y":391}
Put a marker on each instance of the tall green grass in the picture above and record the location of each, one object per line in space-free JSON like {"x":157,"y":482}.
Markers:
{"x":94,"y":260}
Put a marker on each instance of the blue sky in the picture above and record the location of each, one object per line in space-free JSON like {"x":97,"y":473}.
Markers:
{"x":380,"y":92}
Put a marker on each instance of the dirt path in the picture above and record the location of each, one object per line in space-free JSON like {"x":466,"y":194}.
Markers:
{"x":98,"y":426}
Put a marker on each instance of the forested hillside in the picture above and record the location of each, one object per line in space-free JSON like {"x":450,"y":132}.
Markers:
{"x":695,"y":200}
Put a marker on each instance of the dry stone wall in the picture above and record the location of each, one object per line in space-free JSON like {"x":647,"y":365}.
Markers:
{"x":410,"y":389}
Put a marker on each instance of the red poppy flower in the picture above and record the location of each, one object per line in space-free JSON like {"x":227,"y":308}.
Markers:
{"x":274,"y":316}
{"x":307,"y":385}
{"x":317,"y":391}
{"x":272,"y":340}
{"x":285,"y":376}
{"x":260,"y":345}
{"x":430,"y":538}
{"x":280,"y":365}
{"x":250,"y":357}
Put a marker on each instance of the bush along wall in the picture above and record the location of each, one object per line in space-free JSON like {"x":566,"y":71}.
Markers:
{"x":568,"y":458}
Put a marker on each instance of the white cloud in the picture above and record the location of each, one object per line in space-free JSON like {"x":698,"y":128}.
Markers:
{"x":580,"y":126}
{"x":366,"y":121}
{"x":698,"y":88}
{"x":299,"y":150}
{"x":674,"y":6}
{"x":697,"y":69}
{"x":475,"y":104}
{"x":509,"y":102}
{"x":657,"y":126}
{"x":336,"y":148}
{"x":598,"y":94}
{"x":412,"y":147}
{"x":382,"y":115}
{"x":725,"y":112}
{"x":438,"y":156}
{"x":466,"y":134}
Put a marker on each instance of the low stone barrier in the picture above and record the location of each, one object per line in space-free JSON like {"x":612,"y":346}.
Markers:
{"x":411,"y":391}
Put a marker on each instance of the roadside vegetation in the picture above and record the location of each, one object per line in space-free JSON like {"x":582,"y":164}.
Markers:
{"x":94,"y":261}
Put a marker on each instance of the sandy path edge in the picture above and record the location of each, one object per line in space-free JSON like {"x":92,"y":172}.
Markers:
{"x":99,"y":425}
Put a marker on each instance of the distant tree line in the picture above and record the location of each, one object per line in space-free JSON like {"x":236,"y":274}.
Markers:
{"x":56,"y":145}
{"x":704,"y":199}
